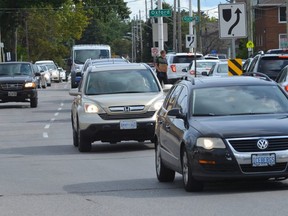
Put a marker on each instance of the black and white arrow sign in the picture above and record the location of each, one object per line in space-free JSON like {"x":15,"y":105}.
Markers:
{"x":232,"y":20}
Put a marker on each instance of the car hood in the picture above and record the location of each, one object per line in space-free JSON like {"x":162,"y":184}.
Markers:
{"x":8,"y":79}
{"x":127,"y":99}
{"x":244,"y":126}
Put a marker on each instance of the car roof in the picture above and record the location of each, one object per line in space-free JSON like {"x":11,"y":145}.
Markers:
{"x":118,"y":66}
{"x":228,"y":81}
{"x":184,"y":54}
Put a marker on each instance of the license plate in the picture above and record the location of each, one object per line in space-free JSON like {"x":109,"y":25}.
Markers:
{"x":12,"y":94}
{"x":263,"y":160}
{"x":124,"y":125}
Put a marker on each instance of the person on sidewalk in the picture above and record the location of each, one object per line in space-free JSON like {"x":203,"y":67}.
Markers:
{"x":161,"y":68}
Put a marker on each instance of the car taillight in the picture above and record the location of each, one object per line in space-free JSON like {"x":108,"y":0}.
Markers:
{"x":173,"y":68}
{"x":192,"y":72}
{"x":286,"y":88}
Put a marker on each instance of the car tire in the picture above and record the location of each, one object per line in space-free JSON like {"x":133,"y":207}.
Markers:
{"x":190,"y":184}
{"x":75,"y":138}
{"x":164,"y":174}
{"x":84,"y":145}
{"x":49,"y":84}
{"x":33,"y":102}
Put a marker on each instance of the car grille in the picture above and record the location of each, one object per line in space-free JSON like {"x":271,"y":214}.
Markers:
{"x":127,"y":116}
{"x":11,"y":86}
{"x":248,"y":168}
{"x":250,"y":144}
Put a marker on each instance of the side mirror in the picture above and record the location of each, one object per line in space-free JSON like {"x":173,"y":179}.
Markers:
{"x":74,"y":92}
{"x":204,"y":73}
{"x":176,"y":112}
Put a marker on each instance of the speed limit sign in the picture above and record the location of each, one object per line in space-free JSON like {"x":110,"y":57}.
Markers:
{"x":154,"y":51}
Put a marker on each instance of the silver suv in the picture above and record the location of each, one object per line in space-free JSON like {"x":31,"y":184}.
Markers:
{"x":177,"y":62}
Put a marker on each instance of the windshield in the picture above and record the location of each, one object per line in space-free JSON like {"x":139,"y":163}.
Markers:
{"x":121,"y":81}
{"x":239,"y":100}
{"x":18,"y":69}
{"x":80,"y":56}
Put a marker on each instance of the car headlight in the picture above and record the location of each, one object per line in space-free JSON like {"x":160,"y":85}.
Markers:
{"x":30,"y":85}
{"x":210,"y":143}
{"x":157,"y":105}
{"x":92,"y":108}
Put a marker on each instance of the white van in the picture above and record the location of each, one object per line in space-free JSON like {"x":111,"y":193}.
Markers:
{"x":80,"y":53}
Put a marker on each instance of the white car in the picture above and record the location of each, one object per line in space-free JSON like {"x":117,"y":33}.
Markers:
{"x":177,"y":62}
{"x":62,"y":74}
{"x":202,"y":65}
{"x":54,"y":72}
{"x":46,"y":74}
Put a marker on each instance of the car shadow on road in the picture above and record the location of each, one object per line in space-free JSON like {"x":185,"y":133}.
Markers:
{"x":101,"y":148}
{"x":150,"y":187}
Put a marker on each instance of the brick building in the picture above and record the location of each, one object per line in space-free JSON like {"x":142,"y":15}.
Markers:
{"x":270,"y":24}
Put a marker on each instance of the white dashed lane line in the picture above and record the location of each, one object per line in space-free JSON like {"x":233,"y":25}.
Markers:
{"x":47,"y":126}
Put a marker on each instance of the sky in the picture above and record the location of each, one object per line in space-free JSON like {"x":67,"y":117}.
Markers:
{"x":209,"y":6}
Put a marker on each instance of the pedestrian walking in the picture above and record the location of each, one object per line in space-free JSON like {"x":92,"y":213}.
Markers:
{"x":161,"y":68}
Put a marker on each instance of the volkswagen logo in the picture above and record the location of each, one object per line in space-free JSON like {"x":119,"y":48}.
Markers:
{"x":262,"y":144}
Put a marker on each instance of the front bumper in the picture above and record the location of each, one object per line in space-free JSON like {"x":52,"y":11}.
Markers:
{"x":113,"y":133}
{"x":17,"y":95}
{"x":225,"y":165}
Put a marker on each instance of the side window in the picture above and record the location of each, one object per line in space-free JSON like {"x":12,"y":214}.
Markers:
{"x":182,"y":100}
{"x":172,"y":100}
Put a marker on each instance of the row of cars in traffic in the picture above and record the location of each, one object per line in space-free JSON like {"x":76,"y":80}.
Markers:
{"x":19,"y":80}
{"x":206,"y":128}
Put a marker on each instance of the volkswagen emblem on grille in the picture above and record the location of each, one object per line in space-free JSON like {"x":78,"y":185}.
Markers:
{"x":126,"y":109}
{"x":262,"y":144}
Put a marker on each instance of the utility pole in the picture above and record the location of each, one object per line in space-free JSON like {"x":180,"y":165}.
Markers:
{"x":190,"y":23}
{"x":141,"y":41}
{"x":179,"y":28}
{"x":174,"y":27}
{"x":199,"y":27}
{"x":286,"y":24}
{"x":250,"y":25}
{"x":160,"y":28}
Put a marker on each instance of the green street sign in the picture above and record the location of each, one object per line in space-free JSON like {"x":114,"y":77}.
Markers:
{"x":187,"y":19}
{"x":160,"y":13}
{"x":190,"y":19}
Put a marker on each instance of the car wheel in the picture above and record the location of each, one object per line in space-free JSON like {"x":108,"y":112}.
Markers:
{"x":190,"y":184}
{"x":33,"y":102}
{"x":49,"y":84}
{"x":75,"y":138}
{"x":84,"y":145}
{"x":164,"y":174}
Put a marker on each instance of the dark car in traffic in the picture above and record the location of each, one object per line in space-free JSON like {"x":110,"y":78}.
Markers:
{"x":18,"y":82}
{"x":222,"y":128}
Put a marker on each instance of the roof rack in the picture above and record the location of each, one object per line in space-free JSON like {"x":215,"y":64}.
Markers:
{"x":258,"y":74}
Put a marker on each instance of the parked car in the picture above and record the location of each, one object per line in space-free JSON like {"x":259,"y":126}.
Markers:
{"x":18,"y":83}
{"x":282,"y":78}
{"x":221,"y":129}
{"x":115,"y":102}
{"x":177,"y":62}
{"x":269,"y":64}
{"x":53,"y":69}
{"x":202,"y":65}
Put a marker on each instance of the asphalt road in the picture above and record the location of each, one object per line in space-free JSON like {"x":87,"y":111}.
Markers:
{"x":42,"y":173}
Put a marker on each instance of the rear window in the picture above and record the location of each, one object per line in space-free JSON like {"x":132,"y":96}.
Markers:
{"x":185,"y":59}
{"x":270,"y":64}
